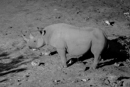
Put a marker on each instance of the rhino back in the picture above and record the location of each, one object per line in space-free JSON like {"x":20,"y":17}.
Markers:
{"x":60,"y":26}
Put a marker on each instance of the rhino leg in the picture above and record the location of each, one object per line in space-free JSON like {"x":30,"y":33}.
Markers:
{"x":62,"y":54}
{"x":96,"y":57}
{"x":96,"y":49}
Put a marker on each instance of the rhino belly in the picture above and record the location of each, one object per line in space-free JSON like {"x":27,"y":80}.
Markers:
{"x":78,"y":49}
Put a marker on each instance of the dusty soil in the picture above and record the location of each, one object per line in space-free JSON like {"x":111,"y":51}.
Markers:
{"x":22,"y":67}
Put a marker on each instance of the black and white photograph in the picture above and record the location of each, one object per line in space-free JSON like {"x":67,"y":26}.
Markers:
{"x":64,"y":43}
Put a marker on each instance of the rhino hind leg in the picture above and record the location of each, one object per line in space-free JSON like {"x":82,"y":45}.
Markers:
{"x":62,"y":54}
{"x":96,"y":49}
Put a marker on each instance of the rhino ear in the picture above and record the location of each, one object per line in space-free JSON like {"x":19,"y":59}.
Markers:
{"x":43,"y":32}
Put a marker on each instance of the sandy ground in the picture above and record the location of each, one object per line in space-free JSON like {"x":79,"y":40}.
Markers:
{"x":21,"y":67}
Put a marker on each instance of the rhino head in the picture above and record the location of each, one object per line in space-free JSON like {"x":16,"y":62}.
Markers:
{"x":35,"y":42}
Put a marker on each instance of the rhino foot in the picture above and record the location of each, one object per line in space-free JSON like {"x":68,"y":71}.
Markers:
{"x":93,"y":67}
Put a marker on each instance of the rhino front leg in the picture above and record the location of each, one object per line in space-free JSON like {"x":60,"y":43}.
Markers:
{"x":62,"y":54}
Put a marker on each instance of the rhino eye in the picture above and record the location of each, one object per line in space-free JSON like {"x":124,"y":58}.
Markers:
{"x":35,"y":41}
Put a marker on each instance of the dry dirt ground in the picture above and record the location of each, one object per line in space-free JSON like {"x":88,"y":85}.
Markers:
{"x":22,"y":67}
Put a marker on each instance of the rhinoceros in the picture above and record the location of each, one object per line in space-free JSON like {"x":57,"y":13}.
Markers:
{"x":75,"y":41}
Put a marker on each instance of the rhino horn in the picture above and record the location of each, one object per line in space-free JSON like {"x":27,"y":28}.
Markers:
{"x":31,"y":36}
{"x":26,"y":39}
